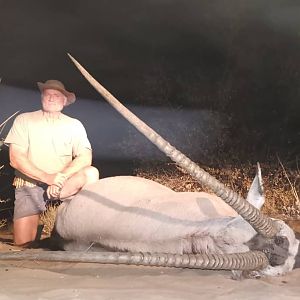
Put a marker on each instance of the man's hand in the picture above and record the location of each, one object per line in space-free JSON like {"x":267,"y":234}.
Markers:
{"x":57,"y":179}
{"x":56,"y":183}
{"x":53,"y":192}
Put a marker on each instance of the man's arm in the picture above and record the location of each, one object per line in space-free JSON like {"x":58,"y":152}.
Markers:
{"x":19,"y":161}
{"x":84,"y":159}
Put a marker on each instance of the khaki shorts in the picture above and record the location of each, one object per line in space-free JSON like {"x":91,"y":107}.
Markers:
{"x":30,"y":201}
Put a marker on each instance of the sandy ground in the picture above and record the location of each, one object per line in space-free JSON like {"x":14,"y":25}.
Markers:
{"x":36,"y":280}
{"x":51,"y":280}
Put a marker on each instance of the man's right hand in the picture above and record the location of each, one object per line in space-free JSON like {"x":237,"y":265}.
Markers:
{"x":57,"y":179}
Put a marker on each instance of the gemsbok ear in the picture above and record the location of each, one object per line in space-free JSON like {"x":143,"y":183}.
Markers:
{"x":256,"y":192}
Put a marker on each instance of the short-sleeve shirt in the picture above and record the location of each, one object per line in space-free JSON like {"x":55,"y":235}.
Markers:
{"x":51,"y":144}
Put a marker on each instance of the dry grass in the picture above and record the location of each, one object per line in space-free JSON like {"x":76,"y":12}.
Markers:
{"x":280,"y":195}
{"x":48,"y":219}
{"x":3,"y":223}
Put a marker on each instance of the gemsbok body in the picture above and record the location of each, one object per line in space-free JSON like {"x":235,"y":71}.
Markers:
{"x":127,"y":213}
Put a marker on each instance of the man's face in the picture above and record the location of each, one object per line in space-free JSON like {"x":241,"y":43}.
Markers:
{"x":53,"y":100}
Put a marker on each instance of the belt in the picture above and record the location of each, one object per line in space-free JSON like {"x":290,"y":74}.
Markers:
{"x":19,"y":182}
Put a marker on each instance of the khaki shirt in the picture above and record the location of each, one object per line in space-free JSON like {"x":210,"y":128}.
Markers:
{"x":51,"y":144}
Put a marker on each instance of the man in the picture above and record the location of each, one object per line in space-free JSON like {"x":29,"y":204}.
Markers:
{"x":51,"y":155}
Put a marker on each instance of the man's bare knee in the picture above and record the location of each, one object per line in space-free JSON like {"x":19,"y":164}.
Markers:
{"x":91,"y":174}
{"x":77,"y":181}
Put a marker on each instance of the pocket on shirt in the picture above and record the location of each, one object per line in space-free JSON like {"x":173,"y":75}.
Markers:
{"x":64,"y":149}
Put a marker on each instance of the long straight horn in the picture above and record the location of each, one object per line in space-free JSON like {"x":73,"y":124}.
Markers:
{"x":261,"y":223}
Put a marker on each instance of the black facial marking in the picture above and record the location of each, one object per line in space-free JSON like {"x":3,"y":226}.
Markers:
{"x":276,"y":249}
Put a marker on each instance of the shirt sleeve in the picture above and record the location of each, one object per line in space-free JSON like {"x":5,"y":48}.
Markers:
{"x":80,"y":140}
{"x":18,"y":134}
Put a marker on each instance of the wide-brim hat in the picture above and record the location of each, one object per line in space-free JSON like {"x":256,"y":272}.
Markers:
{"x":59,"y":86}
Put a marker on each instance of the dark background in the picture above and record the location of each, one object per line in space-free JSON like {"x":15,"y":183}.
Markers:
{"x":240,"y":58}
